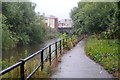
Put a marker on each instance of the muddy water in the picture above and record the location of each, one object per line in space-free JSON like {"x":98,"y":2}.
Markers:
{"x":22,"y":52}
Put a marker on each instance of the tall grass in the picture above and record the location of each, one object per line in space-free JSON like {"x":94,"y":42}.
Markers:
{"x":29,"y":67}
{"x":31,"y":64}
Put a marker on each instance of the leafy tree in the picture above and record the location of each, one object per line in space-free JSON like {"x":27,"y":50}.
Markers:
{"x":8,"y":41}
{"x":21,"y":24}
{"x":19,"y":15}
{"x":95,"y":17}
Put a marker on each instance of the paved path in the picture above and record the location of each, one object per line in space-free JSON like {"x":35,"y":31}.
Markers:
{"x":75,"y":64}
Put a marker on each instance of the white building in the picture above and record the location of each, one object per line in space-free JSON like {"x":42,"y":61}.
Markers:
{"x":65,"y":23}
{"x":51,"y":21}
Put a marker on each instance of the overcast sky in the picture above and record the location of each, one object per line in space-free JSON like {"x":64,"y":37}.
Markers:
{"x":58,"y":8}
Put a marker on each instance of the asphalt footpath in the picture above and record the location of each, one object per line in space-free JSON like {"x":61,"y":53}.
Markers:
{"x":75,"y":64}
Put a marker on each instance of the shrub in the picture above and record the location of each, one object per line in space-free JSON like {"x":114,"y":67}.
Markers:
{"x":70,"y":42}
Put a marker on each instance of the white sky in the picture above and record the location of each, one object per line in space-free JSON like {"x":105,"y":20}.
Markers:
{"x":58,"y":8}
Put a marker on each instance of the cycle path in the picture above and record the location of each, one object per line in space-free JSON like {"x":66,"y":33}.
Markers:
{"x":75,"y":64}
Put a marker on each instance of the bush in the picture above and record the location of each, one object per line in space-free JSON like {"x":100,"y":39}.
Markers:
{"x":70,"y":42}
{"x":74,"y":39}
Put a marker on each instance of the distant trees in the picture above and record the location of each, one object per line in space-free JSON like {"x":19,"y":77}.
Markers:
{"x":96,"y":18}
{"x":21,"y":25}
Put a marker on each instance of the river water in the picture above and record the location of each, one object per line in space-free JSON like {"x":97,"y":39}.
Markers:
{"x":22,"y":52}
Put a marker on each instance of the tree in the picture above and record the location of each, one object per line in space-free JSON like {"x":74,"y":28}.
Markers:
{"x":94,"y":17}
{"x":21,"y":24}
{"x":8,"y":41}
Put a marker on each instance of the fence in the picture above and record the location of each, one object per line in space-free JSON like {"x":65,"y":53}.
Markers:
{"x":59,"y":45}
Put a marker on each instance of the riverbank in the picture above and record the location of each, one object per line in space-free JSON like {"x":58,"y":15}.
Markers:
{"x":104,"y":52}
{"x":30,"y":65}
{"x":10,"y":57}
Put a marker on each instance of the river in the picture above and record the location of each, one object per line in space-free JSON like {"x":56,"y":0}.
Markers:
{"x":22,"y":52}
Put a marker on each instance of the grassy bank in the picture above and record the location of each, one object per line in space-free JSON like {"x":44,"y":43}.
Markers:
{"x":104,"y":52}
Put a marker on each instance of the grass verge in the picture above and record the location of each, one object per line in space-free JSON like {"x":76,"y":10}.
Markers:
{"x":105,"y":52}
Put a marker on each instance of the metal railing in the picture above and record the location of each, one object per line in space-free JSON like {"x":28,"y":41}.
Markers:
{"x":22,"y":62}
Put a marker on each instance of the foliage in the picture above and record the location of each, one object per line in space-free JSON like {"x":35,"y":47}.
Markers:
{"x":52,"y":33}
{"x":29,"y":67}
{"x":64,"y":35}
{"x":4,"y":64}
{"x":74,"y":39}
{"x":69,"y":42}
{"x":104,"y":52}
{"x":96,"y":17}
{"x":8,"y":39}
{"x":21,"y":25}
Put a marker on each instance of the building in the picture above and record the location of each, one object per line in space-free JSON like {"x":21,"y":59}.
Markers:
{"x":51,"y":21}
{"x":65,"y":23}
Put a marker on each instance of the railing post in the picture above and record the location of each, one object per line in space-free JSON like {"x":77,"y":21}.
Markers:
{"x":56,"y":49}
{"x":42,"y":60}
{"x":60,"y":47}
{"x":63,"y":43}
{"x":50,"y":54}
{"x":22,"y":69}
